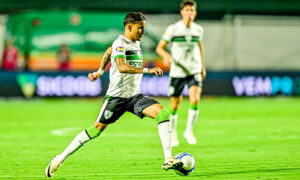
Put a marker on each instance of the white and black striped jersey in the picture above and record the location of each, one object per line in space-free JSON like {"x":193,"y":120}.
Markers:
{"x":124,"y":84}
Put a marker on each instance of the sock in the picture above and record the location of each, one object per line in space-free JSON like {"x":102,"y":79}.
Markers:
{"x":173,"y":120}
{"x":164,"y":132}
{"x":165,"y":137}
{"x":78,"y":142}
{"x":173,"y":123}
{"x":192,"y":117}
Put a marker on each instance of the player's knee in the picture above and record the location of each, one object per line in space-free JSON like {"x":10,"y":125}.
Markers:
{"x":175,"y":102}
{"x":162,"y":116}
{"x":194,"y":99}
{"x":175,"y":105}
{"x":100,"y":125}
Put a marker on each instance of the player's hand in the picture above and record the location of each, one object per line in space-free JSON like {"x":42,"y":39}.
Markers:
{"x":94,"y":76}
{"x":157,"y":71}
{"x":203,"y":74}
{"x":167,"y":61}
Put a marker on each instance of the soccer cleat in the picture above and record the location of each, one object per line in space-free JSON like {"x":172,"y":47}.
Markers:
{"x":189,"y":136}
{"x":172,"y":163}
{"x":52,"y":167}
{"x":175,"y":141}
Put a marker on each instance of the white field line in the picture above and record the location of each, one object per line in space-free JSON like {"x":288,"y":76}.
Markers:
{"x":65,"y":131}
{"x":71,"y":131}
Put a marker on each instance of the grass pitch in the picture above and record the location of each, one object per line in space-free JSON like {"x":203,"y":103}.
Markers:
{"x":239,"y":138}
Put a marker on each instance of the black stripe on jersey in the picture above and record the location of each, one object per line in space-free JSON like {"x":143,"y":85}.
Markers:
{"x":178,"y":37}
{"x":133,"y":52}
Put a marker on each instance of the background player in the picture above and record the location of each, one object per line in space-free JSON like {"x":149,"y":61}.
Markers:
{"x":187,"y":66}
{"x":124,"y":94}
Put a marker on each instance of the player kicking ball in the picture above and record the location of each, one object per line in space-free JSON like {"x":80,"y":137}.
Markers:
{"x":123,"y":94}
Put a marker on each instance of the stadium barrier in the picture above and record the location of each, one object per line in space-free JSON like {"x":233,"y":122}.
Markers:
{"x":63,"y":84}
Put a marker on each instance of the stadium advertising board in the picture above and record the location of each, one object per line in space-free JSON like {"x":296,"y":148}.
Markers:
{"x":269,"y":85}
{"x":57,"y":84}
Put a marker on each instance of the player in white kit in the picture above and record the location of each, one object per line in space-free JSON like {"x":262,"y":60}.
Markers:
{"x":124,"y":94}
{"x":187,"y":66}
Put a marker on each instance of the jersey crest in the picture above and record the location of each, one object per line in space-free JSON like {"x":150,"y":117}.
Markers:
{"x":108,"y":114}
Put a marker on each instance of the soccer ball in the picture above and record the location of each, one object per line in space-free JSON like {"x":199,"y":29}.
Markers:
{"x":189,"y":164}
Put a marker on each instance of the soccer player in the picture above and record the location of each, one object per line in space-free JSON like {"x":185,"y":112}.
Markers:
{"x":123,"y":94}
{"x":187,"y":66}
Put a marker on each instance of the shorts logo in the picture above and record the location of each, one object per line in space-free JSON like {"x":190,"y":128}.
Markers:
{"x":171,"y":90}
{"x":120,"y":49}
{"x":107,"y":114}
{"x":198,"y":77}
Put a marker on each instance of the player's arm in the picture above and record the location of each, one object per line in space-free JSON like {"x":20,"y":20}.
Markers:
{"x":203,"y":72}
{"x":125,"y":68}
{"x":161,"y":50}
{"x":104,"y":62}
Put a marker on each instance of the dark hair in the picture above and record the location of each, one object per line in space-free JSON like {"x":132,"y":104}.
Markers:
{"x":134,"y":17}
{"x":188,"y":3}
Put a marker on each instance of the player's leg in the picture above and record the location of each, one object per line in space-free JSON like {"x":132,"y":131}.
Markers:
{"x":83,"y":137}
{"x":162,"y":116}
{"x":174,"y":105}
{"x":108,"y":114}
{"x":195,"y":91}
{"x":175,"y":90}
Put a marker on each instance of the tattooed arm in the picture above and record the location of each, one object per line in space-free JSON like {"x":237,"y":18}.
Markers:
{"x":125,"y":68}
{"x":104,"y":62}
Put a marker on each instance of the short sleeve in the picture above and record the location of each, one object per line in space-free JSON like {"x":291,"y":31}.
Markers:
{"x":168,"y":34}
{"x":118,"y":50}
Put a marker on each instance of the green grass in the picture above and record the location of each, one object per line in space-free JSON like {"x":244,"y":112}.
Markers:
{"x":239,"y":138}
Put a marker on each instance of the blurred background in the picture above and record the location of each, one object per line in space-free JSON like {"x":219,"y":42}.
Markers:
{"x":48,"y":47}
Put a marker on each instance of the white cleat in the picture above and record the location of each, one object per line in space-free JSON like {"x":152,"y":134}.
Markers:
{"x":175,"y":141}
{"x":52,"y":167}
{"x":189,"y":136}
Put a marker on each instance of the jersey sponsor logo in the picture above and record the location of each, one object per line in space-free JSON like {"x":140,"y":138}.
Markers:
{"x":136,"y":64}
{"x":108,"y":114}
{"x":120,"y":49}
